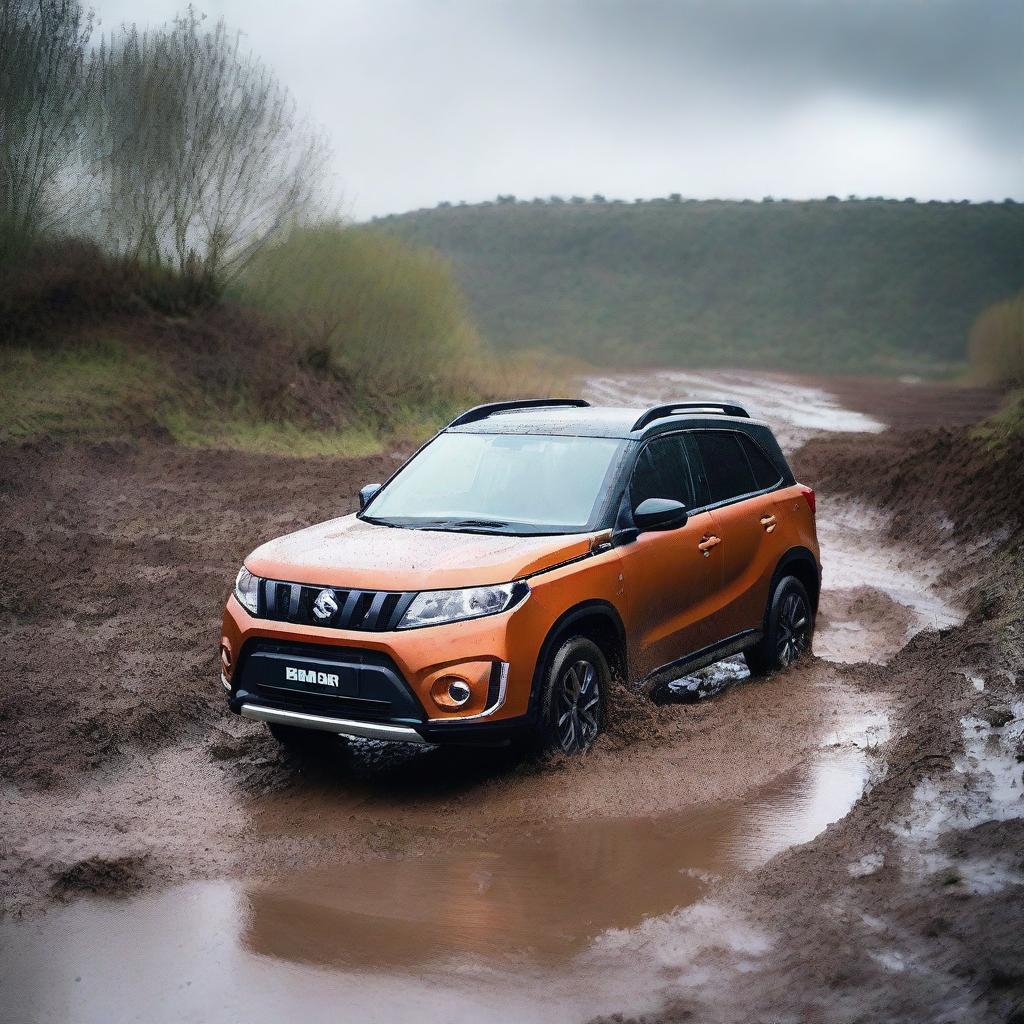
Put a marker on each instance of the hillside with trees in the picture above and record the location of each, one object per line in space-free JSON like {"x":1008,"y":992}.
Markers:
{"x":858,"y":285}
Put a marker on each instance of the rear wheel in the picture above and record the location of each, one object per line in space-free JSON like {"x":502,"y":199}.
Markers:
{"x":305,"y":741}
{"x":788,"y":632}
{"x":574,"y":689}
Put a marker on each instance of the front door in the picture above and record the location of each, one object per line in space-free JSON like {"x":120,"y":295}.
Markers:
{"x":667,"y":574}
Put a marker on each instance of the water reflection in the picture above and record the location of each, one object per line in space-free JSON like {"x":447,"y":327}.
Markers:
{"x":546,"y":894}
{"x":489,"y":930}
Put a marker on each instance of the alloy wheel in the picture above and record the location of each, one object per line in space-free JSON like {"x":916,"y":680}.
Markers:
{"x":794,"y":628}
{"x":579,"y":706}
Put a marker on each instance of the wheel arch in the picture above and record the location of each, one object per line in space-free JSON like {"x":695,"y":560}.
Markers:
{"x":598,"y":621}
{"x":801,"y":563}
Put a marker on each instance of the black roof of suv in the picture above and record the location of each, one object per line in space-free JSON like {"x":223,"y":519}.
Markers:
{"x":577,"y":418}
{"x":573,"y":416}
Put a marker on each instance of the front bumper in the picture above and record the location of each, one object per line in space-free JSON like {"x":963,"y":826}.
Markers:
{"x":341,"y":726}
{"x":399,"y":672}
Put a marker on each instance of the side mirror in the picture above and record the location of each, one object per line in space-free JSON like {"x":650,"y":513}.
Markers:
{"x":660,"y":514}
{"x":366,"y":494}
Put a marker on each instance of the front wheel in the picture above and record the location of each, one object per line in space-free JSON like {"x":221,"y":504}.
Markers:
{"x":575,"y":685}
{"x":789,"y":629}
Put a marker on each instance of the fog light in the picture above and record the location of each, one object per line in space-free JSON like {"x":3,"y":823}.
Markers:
{"x":451,"y":692}
{"x":461,"y":686}
{"x":458,"y":692}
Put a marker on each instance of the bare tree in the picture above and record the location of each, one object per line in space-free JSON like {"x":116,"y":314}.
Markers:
{"x":44,"y":86}
{"x":201,"y":155}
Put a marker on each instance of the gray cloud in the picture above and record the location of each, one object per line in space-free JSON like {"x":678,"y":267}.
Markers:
{"x":462,"y":99}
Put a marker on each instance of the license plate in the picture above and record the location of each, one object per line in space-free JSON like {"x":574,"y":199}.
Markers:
{"x":279,"y":671}
{"x":312,"y":677}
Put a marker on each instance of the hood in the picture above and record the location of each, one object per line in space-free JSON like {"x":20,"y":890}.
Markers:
{"x":349,"y":552}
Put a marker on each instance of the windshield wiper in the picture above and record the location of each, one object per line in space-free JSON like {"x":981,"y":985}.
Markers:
{"x":468,"y":525}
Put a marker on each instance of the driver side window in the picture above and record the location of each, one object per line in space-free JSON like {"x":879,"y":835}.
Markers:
{"x":662,"y":470}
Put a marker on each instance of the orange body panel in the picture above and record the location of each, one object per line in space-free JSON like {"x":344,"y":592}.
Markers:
{"x":514,"y":637}
{"x":669,"y":593}
{"x":746,"y":559}
{"x":348,"y":552}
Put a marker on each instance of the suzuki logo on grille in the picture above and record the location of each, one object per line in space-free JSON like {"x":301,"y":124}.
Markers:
{"x":325,"y":606}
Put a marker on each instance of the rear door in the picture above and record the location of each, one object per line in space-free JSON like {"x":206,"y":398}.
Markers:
{"x":667,"y":577}
{"x":740,"y":480}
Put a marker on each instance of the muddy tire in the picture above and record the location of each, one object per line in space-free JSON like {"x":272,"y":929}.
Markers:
{"x":788,"y":629}
{"x":575,"y":687}
{"x":305,"y":741}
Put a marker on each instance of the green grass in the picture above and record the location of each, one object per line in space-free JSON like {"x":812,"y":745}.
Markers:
{"x":99,"y":390}
{"x":104,"y":389}
{"x":88,"y":392}
{"x":1007,"y":425}
{"x":245,"y":434}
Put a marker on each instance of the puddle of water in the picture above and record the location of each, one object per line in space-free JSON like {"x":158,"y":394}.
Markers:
{"x":444,"y":937}
{"x":795,"y":411}
{"x":986,"y":784}
{"x":858,"y":555}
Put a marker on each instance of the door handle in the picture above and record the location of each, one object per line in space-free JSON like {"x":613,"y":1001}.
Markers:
{"x":707,"y":543}
{"x":768,"y":522}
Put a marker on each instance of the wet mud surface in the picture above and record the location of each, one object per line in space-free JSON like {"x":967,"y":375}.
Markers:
{"x":842,"y":840}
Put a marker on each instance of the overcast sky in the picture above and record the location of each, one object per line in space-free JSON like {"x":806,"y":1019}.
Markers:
{"x":427,"y":100}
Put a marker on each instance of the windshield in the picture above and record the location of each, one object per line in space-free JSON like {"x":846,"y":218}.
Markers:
{"x":508,"y":483}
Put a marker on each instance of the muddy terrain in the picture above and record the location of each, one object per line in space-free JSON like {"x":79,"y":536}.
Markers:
{"x":842,"y":842}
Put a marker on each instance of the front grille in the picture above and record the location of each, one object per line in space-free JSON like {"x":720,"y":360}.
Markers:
{"x":373,"y":611}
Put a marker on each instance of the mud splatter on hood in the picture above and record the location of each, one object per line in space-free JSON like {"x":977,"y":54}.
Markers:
{"x":349,"y":552}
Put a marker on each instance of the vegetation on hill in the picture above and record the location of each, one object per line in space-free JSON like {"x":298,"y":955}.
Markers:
{"x":997,"y":343}
{"x":293,"y":358}
{"x":997,"y":357}
{"x":866,"y":285}
{"x":167,"y":263}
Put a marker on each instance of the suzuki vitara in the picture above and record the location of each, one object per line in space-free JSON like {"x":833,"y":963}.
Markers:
{"x":531,"y":551}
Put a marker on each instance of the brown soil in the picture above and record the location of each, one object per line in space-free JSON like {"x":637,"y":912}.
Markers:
{"x":123,"y":769}
{"x":910,"y":406}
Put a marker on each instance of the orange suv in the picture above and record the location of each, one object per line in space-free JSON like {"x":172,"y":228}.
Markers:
{"x":522,"y":558}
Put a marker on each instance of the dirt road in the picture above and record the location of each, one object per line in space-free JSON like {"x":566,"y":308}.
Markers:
{"x":842,"y":842}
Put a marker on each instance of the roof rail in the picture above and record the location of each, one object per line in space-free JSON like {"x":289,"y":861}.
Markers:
{"x":481,"y":412}
{"x":718,"y":408}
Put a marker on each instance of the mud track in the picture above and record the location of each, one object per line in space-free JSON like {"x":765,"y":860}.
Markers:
{"x":124,"y":774}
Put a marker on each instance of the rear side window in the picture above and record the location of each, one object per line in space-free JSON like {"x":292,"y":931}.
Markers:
{"x":663,"y":471}
{"x":763,"y":468}
{"x":726,"y":465}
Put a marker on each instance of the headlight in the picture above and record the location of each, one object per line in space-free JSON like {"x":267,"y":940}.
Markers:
{"x":433,"y":607}
{"x":247,"y":590}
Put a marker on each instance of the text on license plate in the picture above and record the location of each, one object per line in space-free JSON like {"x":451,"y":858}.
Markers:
{"x":308,"y":675}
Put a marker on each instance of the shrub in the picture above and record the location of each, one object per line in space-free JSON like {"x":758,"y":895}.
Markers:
{"x":374,"y":308}
{"x":997,"y":343}
{"x":69,"y":283}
